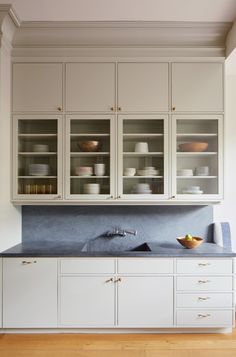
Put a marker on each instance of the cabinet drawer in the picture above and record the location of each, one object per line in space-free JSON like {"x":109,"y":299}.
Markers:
{"x":205,"y":283}
{"x":205,"y":317}
{"x":145,"y":266}
{"x":87,"y":266}
{"x":204,"y":266}
{"x":203,"y":300}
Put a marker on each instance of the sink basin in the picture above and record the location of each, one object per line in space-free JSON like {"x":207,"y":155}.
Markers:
{"x":92,"y":248}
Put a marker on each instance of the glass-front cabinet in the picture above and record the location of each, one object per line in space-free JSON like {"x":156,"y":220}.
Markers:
{"x":37,"y":169}
{"x":90,"y":157}
{"x":142,"y":157}
{"x":197,"y":157}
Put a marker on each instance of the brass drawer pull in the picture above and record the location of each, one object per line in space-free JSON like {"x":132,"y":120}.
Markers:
{"x":203,"y":316}
{"x":203,"y":281}
{"x":117,"y":280}
{"x":203,"y":298}
{"x":25,"y":262}
{"x":203,"y":264}
{"x":109,"y":280}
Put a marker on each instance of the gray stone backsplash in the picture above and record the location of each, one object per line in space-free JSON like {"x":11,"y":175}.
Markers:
{"x":88,"y":224}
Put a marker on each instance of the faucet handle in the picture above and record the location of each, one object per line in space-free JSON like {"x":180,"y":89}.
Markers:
{"x":131,"y":231}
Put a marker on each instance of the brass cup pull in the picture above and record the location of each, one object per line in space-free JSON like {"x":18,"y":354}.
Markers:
{"x":109,"y":280}
{"x":203,"y":281}
{"x":117,"y":280}
{"x":203,"y":298}
{"x":203,"y":316}
{"x":26,"y":262}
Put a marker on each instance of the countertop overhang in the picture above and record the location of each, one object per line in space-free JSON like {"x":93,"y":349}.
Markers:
{"x":73,"y":249}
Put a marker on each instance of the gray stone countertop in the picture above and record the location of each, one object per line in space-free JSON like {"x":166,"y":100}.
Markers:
{"x":73,"y":249}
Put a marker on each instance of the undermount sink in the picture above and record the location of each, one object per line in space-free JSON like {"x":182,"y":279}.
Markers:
{"x":89,"y":247}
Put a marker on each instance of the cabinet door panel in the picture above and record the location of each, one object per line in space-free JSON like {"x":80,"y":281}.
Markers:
{"x":143,"y":87}
{"x":145,"y":302}
{"x":90,"y":87}
{"x":29,"y":292}
{"x":87,"y":301}
{"x":37,"y":87}
{"x":197,"y":87}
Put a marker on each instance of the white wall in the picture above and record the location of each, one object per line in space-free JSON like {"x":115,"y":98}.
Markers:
{"x":226,"y":211}
{"x":10,"y":216}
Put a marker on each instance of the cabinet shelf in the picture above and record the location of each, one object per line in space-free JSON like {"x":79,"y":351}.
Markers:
{"x":37,"y":177}
{"x":89,"y":177}
{"x":141,"y":177}
{"x":143,"y":154}
{"x":142,"y":135}
{"x":77,"y":154}
{"x":196,"y":177}
{"x":196,"y":153}
{"x":35,"y":136}
{"x":88,"y":134}
{"x":51,"y":153}
{"x":197,"y":135}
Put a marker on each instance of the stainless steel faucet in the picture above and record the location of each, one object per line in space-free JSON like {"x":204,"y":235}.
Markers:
{"x":121,"y":232}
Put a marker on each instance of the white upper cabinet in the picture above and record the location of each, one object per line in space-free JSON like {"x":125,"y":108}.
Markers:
{"x":37,"y":87}
{"x":90,"y":87}
{"x":197,"y":87}
{"x":143,"y":87}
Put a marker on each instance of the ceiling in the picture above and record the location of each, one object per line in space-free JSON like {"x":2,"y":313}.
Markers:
{"x":124,"y":10}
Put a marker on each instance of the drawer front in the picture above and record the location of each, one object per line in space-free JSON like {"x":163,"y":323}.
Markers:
{"x":204,"y":300}
{"x":204,"y":266}
{"x":87,"y":266}
{"x":205,"y":318}
{"x":205,"y":283}
{"x":145,"y":266}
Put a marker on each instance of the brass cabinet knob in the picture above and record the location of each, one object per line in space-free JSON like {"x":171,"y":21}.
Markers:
{"x":119,"y":109}
{"x":110,"y":197}
{"x":26,"y":262}
{"x":202,"y":316}
{"x":109,"y":280}
{"x":112,"y":109}
{"x":173,"y":108}
{"x":59,"y":109}
{"x":172,"y":197}
{"x":117,"y":280}
{"x":58,"y":196}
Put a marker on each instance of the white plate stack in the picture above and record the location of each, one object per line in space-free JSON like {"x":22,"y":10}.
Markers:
{"x":92,"y":188}
{"x":142,"y":188}
{"x":38,"y":169}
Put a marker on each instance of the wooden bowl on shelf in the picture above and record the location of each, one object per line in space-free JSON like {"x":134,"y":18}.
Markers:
{"x":89,"y":145}
{"x":193,"y":147}
{"x":190,"y":244}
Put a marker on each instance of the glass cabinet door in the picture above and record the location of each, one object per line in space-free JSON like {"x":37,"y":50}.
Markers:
{"x":37,"y":157}
{"x":142,"y":157}
{"x":90,"y":157}
{"x":197,"y":157}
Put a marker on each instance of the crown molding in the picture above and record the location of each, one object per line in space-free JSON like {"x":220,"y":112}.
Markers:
{"x":7,"y":9}
{"x":121,"y":34}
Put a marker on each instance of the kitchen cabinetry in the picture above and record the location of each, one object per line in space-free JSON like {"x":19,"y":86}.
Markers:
{"x":37,"y":87}
{"x":37,"y":148}
{"x":197,"y":157}
{"x":204,"y":292}
{"x":90,"y":87}
{"x":197,"y":87}
{"x":29,"y":292}
{"x":143,"y":87}
{"x":91,"y":298}
{"x":143,"y":146}
{"x":90,"y":171}
{"x":125,"y":107}
{"x":0,"y":292}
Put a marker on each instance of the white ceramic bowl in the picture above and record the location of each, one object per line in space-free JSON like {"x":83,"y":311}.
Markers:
{"x":129,"y":171}
{"x":185,"y":172}
{"x":83,"y":171}
{"x":202,"y":171}
{"x":92,"y":188}
{"x":141,"y":147}
{"x":38,"y":169}
{"x":40,"y":148}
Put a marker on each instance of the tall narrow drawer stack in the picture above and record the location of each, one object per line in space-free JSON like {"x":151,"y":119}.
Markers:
{"x":204,"y":292}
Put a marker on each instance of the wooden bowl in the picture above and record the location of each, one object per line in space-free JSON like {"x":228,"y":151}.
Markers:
{"x":190,"y":244}
{"x":193,"y":147}
{"x":89,"y":145}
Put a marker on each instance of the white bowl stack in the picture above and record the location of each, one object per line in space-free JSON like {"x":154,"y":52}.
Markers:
{"x":92,"y":188}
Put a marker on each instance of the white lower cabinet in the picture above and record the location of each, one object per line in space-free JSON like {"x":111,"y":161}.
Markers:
{"x":0,"y":292}
{"x":29,"y":292}
{"x":145,"y":301}
{"x":87,"y":301}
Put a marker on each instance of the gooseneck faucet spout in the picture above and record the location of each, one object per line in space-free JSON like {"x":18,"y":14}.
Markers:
{"x":121,"y":232}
